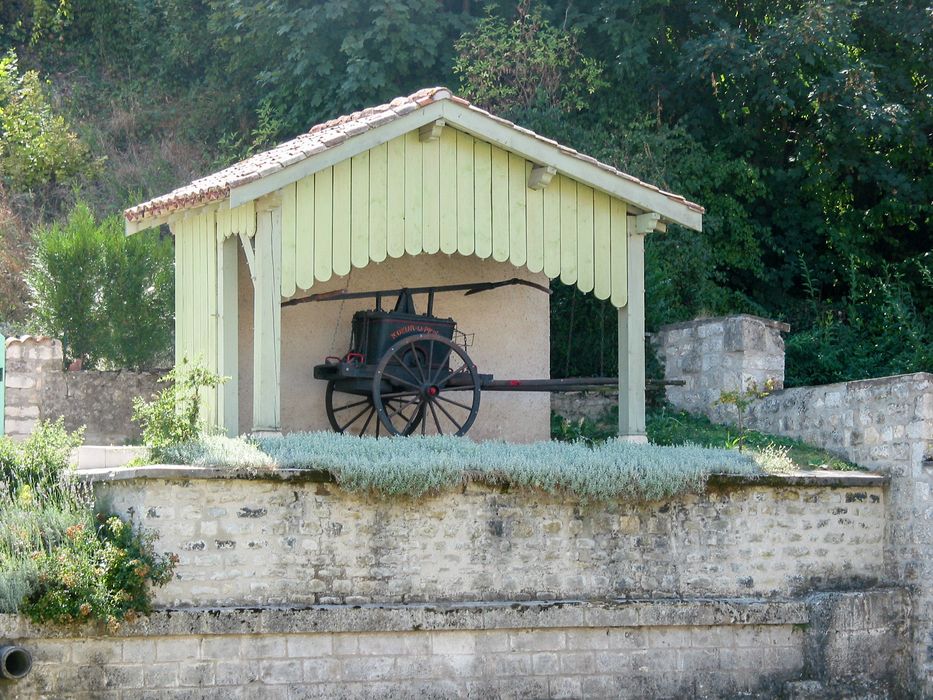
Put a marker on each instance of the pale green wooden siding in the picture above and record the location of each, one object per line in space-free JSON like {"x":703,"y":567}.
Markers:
{"x":451,"y":194}
{"x":196,"y":294}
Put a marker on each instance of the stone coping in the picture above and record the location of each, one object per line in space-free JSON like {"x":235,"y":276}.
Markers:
{"x":426,"y":617}
{"x":184,"y":473}
{"x":768,"y":322}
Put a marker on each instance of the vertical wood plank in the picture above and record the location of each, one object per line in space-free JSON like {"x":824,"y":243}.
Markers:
{"x":210,"y":244}
{"x":228,"y":395}
{"x":500,"y":204}
{"x":267,"y":323}
{"x":534,"y":224}
{"x":466,"y":242}
{"x":359,"y":209}
{"x":632,"y":341}
{"x":552,"y":228}
{"x":223,"y":222}
{"x":341,"y":222}
{"x":323,"y":224}
{"x":180,"y":281}
{"x":193,"y":286}
{"x":377,"y":202}
{"x":448,"y":190}
{"x":618,"y":241}
{"x":482,"y":198}
{"x":602,"y":248}
{"x":304,"y":233}
{"x":430,"y":211}
{"x":414,"y":242}
{"x":395,"y":193}
{"x":289,"y":239}
{"x":568,"y":230}
{"x":585,"y":273}
{"x":190,"y":298}
{"x":201,"y":274}
{"x":518,"y":185}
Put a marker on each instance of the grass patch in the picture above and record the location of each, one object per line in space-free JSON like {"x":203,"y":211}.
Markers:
{"x":667,"y":426}
{"x":671,"y":427}
{"x":414,"y":466}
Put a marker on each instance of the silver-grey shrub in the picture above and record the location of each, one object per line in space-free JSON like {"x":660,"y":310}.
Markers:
{"x":413,"y":466}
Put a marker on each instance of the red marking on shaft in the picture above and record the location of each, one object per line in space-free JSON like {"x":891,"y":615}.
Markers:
{"x":514,"y":382}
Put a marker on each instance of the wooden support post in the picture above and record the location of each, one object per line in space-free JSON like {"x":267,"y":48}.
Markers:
{"x":632,"y":340}
{"x":228,"y":398}
{"x":267,"y":325}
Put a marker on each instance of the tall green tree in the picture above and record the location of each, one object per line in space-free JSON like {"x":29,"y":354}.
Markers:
{"x":108,"y":297}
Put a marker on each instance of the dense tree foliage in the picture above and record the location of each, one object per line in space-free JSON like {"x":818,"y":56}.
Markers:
{"x":803,"y":126}
{"x":108,"y":297}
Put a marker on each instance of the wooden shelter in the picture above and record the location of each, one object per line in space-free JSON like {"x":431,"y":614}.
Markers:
{"x":424,"y":174}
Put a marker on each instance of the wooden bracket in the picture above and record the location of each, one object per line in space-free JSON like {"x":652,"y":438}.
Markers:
{"x":541,"y":176}
{"x":250,"y":256}
{"x":432,"y":131}
{"x":648,"y":223}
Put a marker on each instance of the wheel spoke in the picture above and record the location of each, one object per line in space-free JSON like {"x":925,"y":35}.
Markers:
{"x":451,"y":418}
{"x":414,"y":352}
{"x":443,"y":382}
{"x":455,"y":403}
{"x":400,"y":380}
{"x":441,"y":366}
{"x":436,"y":421}
{"x":354,"y":419}
{"x":410,"y":424}
{"x":351,"y":405}
{"x":409,"y":370}
{"x":372,"y":412}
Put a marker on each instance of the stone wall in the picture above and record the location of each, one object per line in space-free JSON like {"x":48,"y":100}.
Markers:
{"x":714,"y":355}
{"x":884,"y":424}
{"x":823,"y":646}
{"x":293,"y":541}
{"x":38,"y":388}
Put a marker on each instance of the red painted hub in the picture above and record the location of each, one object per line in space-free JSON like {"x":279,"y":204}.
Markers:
{"x":432,"y":391}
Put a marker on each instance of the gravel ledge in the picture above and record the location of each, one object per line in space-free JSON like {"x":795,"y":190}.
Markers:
{"x":181,"y":472}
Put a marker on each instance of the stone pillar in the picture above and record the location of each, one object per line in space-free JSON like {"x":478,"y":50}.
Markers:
{"x":32,"y":365}
{"x":714,"y":355}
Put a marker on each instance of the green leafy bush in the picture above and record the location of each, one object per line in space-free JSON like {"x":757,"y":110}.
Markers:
{"x":36,"y":145}
{"x":58,"y":562}
{"x":41,"y":464}
{"x":97,"y":574}
{"x":109,"y":297}
{"x":174,"y":416}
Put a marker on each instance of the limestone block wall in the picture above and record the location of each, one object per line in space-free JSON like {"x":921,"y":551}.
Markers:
{"x":844,"y":643}
{"x":884,"y":424}
{"x":288,"y":540}
{"x":714,"y":355}
{"x":38,"y":388}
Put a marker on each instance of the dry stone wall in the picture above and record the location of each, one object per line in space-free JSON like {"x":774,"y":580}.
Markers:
{"x":884,"y":424}
{"x":38,"y":388}
{"x":720,"y":354}
{"x":289,"y":541}
{"x":830,"y":643}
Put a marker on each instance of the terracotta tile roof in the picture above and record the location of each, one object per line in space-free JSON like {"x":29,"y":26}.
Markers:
{"x":217,"y":186}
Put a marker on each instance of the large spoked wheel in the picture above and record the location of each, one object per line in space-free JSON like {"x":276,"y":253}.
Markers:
{"x":354,"y":414}
{"x":432,"y":375}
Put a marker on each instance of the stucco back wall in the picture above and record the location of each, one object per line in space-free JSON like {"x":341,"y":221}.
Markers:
{"x":510,"y":327}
